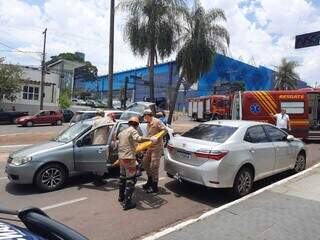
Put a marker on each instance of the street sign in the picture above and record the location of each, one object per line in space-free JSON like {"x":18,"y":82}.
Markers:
{"x":307,"y":40}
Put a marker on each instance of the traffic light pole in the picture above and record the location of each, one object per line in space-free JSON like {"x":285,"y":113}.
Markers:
{"x":43,"y":69}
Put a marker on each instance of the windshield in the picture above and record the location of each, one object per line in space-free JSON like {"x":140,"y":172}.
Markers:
{"x":73,"y":132}
{"x":212,"y":133}
{"x":127,"y":115}
{"x":136,"y":108}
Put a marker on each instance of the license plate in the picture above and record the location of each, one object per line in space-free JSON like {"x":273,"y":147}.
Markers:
{"x":184,"y":155}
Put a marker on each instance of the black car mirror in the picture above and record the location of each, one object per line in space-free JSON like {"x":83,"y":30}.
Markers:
{"x":79,"y":143}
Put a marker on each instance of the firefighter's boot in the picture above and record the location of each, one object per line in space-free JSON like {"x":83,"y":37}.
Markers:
{"x":128,"y":204}
{"x":148,"y":184}
{"x":122,"y":189}
{"x":153,"y":188}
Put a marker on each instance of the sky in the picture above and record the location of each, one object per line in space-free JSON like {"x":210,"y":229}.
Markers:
{"x":262,"y":32}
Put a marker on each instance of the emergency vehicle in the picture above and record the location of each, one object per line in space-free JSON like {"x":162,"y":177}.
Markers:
{"x":209,"y":107}
{"x":302,"y":106}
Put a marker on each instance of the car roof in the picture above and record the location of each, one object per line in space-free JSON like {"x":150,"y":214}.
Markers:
{"x":236,"y":123}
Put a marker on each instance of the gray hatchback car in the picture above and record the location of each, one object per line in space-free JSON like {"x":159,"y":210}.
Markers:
{"x":48,"y":165}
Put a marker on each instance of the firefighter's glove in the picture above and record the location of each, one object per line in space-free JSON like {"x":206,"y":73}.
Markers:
{"x":154,"y":139}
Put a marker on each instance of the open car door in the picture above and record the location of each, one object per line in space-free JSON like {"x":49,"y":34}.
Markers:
{"x":92,"y":150}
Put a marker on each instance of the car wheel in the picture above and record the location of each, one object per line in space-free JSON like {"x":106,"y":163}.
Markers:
{"x":29,"y":124}
{"x":59,"y":122}
{"x":14,"y":121}
{"x":300,"y":163}
{"x":243,"y":182}
{"x":51,"y":177}
{"x":170,"y":175}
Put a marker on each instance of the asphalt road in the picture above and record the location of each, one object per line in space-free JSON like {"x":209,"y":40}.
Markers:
{"x":8,"y":129}
{"x":94,"y":211}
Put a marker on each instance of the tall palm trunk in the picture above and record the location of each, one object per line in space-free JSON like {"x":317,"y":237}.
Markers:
{"x":174,"y":100}
{"x":151,"y":74}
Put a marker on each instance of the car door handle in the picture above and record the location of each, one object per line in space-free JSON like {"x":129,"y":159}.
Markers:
{"x":100,"y":150}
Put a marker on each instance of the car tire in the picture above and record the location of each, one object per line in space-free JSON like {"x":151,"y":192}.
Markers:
{"x":243,"y":182}
{"x":14,"y":121}
{"x":29,"y":124}
{"x":170,"y":175}
{"x":59,"y":122}
{"x":51,"y":177}
{"x":300,"y":164}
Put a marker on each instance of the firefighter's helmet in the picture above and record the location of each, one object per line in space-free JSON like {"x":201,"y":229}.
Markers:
{"x":134,"y":121}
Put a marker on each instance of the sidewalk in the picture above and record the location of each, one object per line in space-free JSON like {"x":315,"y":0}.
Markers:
{"x":290,"y":210}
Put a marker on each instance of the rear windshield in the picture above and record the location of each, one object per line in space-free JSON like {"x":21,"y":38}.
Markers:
{"x":80,"y":116}
{"x":212,"y":133}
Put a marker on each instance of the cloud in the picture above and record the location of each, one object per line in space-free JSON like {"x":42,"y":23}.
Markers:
{"x":262,"y":32}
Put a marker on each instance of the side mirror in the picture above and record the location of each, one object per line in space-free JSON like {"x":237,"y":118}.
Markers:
{"x":79,"y":143}
{"x":290,"y":138}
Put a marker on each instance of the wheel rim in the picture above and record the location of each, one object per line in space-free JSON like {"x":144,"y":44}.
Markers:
{"x":52,"y":177}
{"x":244,"y":183}
{"x":300,"y":163}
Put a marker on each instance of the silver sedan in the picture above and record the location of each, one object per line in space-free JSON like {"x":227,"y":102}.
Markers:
{"x":233,"y":154}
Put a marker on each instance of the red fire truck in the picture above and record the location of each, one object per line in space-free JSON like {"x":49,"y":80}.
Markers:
{"x":209,"y":107}
{"x":303,"y":107}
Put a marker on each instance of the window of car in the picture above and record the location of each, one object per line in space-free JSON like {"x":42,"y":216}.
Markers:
{"x":118,"y":115}
{"x":275,"y":134}
{"x":256,"y":134}
{"x":210,"y":132}
{"x":72,"y":132}
{"x":52,"y":113}
{"x":124,"y":126}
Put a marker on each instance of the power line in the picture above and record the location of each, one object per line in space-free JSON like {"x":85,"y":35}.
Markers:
{"x":3,"y":50}
{"x":17,"y":50}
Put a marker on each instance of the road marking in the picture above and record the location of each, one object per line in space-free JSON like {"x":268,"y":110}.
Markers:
{"x":141,"y":183}
{"x":12,"y":134}
{"x":15,"y":146}
{"x":3,"y":178}
{"x":63,"y":204}
{"x":182,"y":225}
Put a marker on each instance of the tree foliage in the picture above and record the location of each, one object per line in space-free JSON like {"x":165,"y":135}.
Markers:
{"x":91,"y":69}
{"x":10,"y":78}
{"x":152,"y":29}
{"x":201,"y":37}
{"x":64,"y":99}
{"x":286,"y":77}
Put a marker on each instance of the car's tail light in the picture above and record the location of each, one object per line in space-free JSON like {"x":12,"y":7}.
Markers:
{"x":214,"y":155}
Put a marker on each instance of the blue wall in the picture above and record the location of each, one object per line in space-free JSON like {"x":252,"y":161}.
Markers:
{"x":224,"y":69}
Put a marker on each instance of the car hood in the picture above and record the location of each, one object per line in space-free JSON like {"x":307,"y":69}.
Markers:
{"x":25,"y":117}
{"x":35,"y":149}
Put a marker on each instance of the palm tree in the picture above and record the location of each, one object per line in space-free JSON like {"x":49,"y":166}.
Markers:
{"x":285,"y":77}
{"x":202,"y":37}
{"x":152,"y":29}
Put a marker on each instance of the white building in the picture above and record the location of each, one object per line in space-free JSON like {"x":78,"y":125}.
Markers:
{"x":29,"y":97}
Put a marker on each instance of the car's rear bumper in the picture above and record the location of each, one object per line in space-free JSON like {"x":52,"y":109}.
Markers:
{"x":21,"y":174}
{"x":206,"y":174}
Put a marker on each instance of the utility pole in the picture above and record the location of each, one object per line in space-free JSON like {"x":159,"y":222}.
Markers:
{"x":43,"y":69}
{"x":111,"y":47}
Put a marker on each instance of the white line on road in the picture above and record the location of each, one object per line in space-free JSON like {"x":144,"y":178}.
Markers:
{"x":14,"y":146}
{"x":216,"y":210}
{"x":12,"y":134}
{"x":141,"y":183}
{"x":64,"y":203}
{"x":3,"y":178}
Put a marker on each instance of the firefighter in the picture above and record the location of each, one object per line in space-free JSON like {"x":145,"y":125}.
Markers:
{"x":127,"y":142}
{"x":151,"y":159}
{"x":101,"y":133}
